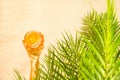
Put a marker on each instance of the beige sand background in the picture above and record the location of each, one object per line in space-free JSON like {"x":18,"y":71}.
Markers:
{"x":51,"y":17}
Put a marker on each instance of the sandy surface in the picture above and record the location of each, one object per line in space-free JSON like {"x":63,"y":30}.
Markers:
{"x":51,"y":17}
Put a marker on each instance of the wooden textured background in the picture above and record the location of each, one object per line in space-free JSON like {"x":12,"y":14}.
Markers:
{"x":51,"y":17}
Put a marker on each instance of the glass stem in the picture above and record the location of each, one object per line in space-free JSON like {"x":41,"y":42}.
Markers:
{"x":34,"y":66}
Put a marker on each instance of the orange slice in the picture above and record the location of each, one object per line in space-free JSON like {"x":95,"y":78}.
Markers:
{"x":32,"y":38}
{"x":33,"y":42}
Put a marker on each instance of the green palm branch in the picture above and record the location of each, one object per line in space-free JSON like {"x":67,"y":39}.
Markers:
{"x":18,"y":76}
{"x":63,"y":59}
{"x":102,"y":37}
{"x":93,"y":54}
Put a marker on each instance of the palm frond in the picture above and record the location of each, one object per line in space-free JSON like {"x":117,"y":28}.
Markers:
{"x":93,"y":54}
{"x":18,"y":76}
{"x":63,"y":59}
{"x":101,"y":33}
